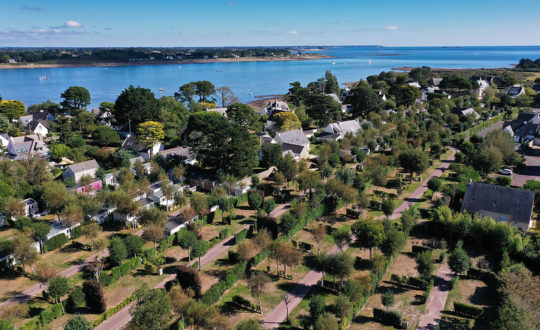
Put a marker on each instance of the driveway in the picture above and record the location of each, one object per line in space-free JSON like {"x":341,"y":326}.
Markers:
{"x":436,"y":300}
{"x":416,"y":195}
{"x":530,"y":172}
{"x":279,"y":313}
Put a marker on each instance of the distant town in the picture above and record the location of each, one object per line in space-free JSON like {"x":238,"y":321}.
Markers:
{"x":406,"y":200}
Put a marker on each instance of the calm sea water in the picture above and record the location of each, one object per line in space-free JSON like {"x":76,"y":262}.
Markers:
{"x":250,"y":79}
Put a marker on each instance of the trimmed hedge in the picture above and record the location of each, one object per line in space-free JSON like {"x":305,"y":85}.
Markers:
{"x":113,"y":310}
{"x":467,"y":310}
{"x":240,"y":236}
{"x":387,"y":317}
{"x":240,"y":199}
{"x":214,"y":293}
{"x":353,"y":214}
{"x":55,"y":242}
{"x":122,"y":270}
{"x":454,"y":323}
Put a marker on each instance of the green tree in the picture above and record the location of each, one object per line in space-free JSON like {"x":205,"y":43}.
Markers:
{"x":317,"y":305}
{"x":6,"y":324}
{"x":55,"y":196}
{"x":424,"y":264}
{"x":255,"y":200}
{"x":199,"y":249}
{"x":342,"y":237}
{"x":117,"y":251}
{"x":249,"y":324}
{"x":58,"y":287}
{"x":78,"y":322}
{"x":414,"y":161}
{"x":220,"y":145}
{"x":364,"y":100}
{"x":204,"y":89}
{"x":12,"y":109}
{"x":76,"y":298}
{"x":95,"y":300}
{"x":322,"y":108}
{"x":331,"y":83}
{"x":459,"y":260}
{"x":368,"y":233}
{"x":135,"y":105}
{"x":226,"y":95}
{"x":245,"y":116}
{"x":153,"y":216}
{"x":105,"y":136}
{"x":287,"y":223}
{"x":133,"y":244}
{"x":59,"y":151}
{"x":152,"y":309}
{"x":75,"y":99}
{"x":185,"y":92}
{"x":153,"y":234}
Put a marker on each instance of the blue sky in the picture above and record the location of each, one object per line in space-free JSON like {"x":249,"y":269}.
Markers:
{"x":268,"y":22}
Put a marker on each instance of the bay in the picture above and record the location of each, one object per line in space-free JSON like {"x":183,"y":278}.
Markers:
{"x":250,"y":79}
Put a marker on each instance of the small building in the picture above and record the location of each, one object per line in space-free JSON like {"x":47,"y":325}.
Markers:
{"x":39,"y":127}
{"x":31,"y":207}
{"x":465,"y":112}
{"x":145,"y":152}
{"x":90,"y":189}
{"x":511,"y":205}
{"x":338,"y":130}
{"x":104,"y":116}
{"x":525,"y":127}
{"x":275,"y":106}
{"x":297,"y":151}
{"x":40,"y":116}
{"x":77,"y":171}
{"x":516,"y":91}
{"x":179,"y":153}
{"x":4,"y":140}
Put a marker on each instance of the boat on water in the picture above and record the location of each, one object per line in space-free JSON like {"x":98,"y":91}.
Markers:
{"x":43,"y":78}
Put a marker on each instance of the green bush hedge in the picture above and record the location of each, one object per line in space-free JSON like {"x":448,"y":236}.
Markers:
{"x":119,"y":271}
{"x":240,"y":236}
{"x":240,"y":199}
{"x":467,"y":310}
{"x":387,"y":317}
{"x":55,"y":242}
{"x":224,"y":233}
{"x":215,"y":292}
{"x":49,"y":314}
{"x":113,"y":310}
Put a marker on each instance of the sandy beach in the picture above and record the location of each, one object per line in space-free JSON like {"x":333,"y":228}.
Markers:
{"x":303,"y":57}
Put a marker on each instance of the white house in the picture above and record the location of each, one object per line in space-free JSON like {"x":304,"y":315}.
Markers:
{"x":145,"y":152}
{"x":22,"y":147}
{"x":4,"y":140}
{"x":39,"y":127}
{"x":338,"y":130}
{"x":77,"y":171}
{"x":295,"y":137}
{"x":31,"y":207}
{"x":273,"y":106}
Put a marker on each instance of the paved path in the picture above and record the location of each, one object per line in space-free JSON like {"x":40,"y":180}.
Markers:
{"x":122,"y":318}
{"x":279,"y":313}
{"x":436,"y":300}
{"x":416,"y":195}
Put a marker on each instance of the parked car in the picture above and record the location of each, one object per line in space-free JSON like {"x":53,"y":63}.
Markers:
{"x":506,"y":171}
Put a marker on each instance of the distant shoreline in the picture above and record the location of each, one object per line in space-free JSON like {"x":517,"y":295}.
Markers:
{"x":303,"y":57}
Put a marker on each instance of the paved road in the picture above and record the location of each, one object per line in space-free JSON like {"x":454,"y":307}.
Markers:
{"x":416,"y":195}
{"x":436,"y":300}
{"x":531,"y":171}
{"x":122,"y":318}
{"x":279,"y":313}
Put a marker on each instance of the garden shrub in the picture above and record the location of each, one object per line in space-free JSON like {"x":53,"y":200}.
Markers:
{"x":55,"y":242}
{"x":240,"y":236}
{"x":105,"y":278}
{"x":189,"y":278}
{"x":224,"y":233}
{"x":268,"y":223}
{"x":467,"y":310}
{"x":233,"y":256}
{"x":353,"y":214}
{"x":387,"y":317}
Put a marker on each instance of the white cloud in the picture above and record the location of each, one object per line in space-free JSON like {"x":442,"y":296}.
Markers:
{"x":293,"y":32}
{"x":391,"y":27}
{"x":72,"y":24}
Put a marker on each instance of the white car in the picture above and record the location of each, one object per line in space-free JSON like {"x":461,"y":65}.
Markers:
{"x":506,"y":171}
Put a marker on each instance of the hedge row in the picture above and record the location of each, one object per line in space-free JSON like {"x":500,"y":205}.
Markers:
{"x":240,"y":199}
{"x":428,"y":290}
{"x":55,"y":242}
{"x":409,"y":281}
{"x":113,"y":310}
{"x":467,"y":310}
{"x":387,"y":317}
{"x":215,"y":292}
{"x":454,"y":323}
{"x":106,"y":278}
{"x":240,"y":236}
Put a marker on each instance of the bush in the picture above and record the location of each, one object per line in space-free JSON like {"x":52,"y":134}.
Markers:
{"x":353,"y":214}
{"x":467,"y":310}
{"x":416,"y":249}
{"x":503,"y":180}
{"x":105,"y":278}
{"x":55,"y":242}
{"x":76,"y":299}
{"x":387,"y":317}
{"x":269,"y":205}
{"x":233,"y":257}
{"x":189,"y":278}
{"x":224,"y":233}
{"x":95,"y":299}
{"x":388,"y":206}
{"x":215,"y":292}
{"x":240,"y":236}
{"x":268,"y":223}
{"x":453,"y":282}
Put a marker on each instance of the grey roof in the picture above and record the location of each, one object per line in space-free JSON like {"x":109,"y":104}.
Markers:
{"x":34,"y":123}
{"x":524,"y":118}
{"x":344,"y":127}
{"x":131,"y":143}
{"x":515,"y":90}
{"x":294,"y":148}
{"x":173,"y":224}
{"x":292,"y":137}
{"x":145,"y":201}
{"x":178,"y":152}
{"x":437,"y":81}
{"x":514,"y":202}
{"x":84,"y":166}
